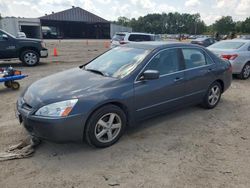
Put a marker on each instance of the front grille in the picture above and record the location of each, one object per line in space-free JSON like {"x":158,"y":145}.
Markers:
{"x":27,"y":107}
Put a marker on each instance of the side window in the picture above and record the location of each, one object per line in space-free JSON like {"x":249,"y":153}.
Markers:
{"x":193,"y":58}
{"x":134,"y":38}
{"x":248,"y":48}
{"x":165,"y":62}
{"x":139,"y":38}
{"x":145,"y":38}
{"x":209,"y":60}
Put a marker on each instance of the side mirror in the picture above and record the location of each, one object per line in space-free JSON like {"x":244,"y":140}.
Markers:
{"x":150,"y":75}
{"x":5,"y":37}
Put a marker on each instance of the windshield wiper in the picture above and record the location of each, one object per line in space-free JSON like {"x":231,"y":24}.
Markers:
{"x":96,"y":71}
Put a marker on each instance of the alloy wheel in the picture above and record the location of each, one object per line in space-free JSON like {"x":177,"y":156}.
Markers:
{"x":108,"y":127}
{"x":246,"y":71}
{"x":30,"y":58}
{"x":214,"y":95}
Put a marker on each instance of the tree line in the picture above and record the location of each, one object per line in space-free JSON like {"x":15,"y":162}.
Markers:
{"x":175,"y":23}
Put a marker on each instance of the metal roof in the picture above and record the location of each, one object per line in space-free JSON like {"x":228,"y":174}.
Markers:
{"x":75,"y":14}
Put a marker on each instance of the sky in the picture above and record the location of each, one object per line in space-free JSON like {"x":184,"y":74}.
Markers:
{"x":210,"y":10}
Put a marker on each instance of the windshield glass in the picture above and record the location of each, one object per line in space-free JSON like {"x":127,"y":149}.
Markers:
{"x":4,"y":32}
{"x":118,"y":62}
{"x":228,"y":45}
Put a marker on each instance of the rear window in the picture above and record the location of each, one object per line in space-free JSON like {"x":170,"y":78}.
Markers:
{"x":139,"y":38}
{"x":228,"y":45}
{"x":118,"y":37}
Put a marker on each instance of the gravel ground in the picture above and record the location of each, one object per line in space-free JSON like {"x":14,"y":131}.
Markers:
{"x":192,"y":147}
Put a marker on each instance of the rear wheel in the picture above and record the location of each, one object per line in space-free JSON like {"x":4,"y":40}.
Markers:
{"x":245,"y":73}
{"x":105,"y":126}
{"x":30,"y":57}
{"x":7,"y":84}
{"x":15,"y":85}
{"x":213,"y":96}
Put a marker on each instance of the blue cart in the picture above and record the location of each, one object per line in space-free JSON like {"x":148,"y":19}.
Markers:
{"x":10,"y":81}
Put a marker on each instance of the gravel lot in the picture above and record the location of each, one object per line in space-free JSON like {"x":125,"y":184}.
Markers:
{"x":192,"y":147}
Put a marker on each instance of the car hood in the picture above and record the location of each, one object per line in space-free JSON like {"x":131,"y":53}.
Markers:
{"x":28,"y":40}
{"x":73,"y":83}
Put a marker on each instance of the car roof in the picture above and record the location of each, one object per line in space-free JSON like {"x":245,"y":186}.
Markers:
{"x":158,"y":45}
{"x":134,"y":33}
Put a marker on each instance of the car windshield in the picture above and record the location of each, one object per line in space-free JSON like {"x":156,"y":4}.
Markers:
{"x":4,"y":32}
{"x":228,"y":45}
{"x":118,"y":62}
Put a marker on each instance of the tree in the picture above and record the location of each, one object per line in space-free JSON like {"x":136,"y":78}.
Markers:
{"x":224,"y":25}
{"x":245,"y":26}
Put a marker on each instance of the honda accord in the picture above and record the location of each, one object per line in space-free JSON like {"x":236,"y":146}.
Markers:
{"x":97,"y":101}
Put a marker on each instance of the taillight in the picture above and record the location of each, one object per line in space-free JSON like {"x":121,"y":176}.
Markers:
{"x":229,"y":57}
{"x":122,"y":42}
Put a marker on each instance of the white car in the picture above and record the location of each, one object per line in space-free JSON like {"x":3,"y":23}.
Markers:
{"x":21,"y":35}
{"x":237,"y":51}
{"x":125,"y":37}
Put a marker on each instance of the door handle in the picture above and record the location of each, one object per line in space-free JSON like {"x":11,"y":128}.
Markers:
{"x":178,"y":79}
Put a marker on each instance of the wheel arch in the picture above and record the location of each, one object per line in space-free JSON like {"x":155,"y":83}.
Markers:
{"x":23,"y":49}
{"x":122,"y":106}
{"x":221,"y":84}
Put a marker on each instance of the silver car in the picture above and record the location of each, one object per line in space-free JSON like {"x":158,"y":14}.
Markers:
{"x":237,"y":52}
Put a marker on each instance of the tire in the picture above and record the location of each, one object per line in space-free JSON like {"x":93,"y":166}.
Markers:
{"x":101,"y":131}
{"x":213,"y":96}
{"x":30,"y":58}
{"x":245,"y":73}
{"x":7,"y":84}
{"x":15,"y":85}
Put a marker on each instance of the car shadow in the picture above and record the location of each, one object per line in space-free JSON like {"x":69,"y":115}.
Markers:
{"x":18,"y":64}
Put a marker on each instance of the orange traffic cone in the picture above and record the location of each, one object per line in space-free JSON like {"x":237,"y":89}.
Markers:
{"x":106,"y":44}
{"x":55,"y":52}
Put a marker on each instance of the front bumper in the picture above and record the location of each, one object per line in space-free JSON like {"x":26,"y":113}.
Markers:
{"x":68,"y":129}
{"x":44,"y":53}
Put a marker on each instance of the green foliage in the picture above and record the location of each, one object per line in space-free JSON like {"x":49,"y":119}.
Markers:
{"x":165,"y":23}
{"x":224,"y":25}
{"x":175,"y":23}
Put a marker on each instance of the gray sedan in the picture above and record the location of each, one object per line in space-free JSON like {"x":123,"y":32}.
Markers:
{"x":237,"y":51}
{"x":127,"y":84}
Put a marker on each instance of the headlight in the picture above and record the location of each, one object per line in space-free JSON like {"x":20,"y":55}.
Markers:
{"x":43,"y":44}
{"x":59,"y":109}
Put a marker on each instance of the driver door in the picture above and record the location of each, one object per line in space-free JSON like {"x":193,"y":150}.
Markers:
{"x":165,"y":93}
{"x":7,"y":46}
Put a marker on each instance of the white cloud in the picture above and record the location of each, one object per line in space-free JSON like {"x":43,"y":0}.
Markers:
{"x":192,"y":3}
{"x":243,"y":8}
{"x":210,"y":10}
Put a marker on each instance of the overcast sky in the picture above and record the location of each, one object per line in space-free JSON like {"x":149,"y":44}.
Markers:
{"x":210,"y":10}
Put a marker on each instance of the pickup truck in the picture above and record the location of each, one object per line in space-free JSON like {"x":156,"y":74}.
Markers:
{"x":29,"y":51}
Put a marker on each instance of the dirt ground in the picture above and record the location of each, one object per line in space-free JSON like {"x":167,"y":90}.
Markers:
{"x":192,"y":147}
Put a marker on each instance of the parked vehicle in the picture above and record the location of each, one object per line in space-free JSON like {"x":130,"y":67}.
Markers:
{"x":29,"y":51}
{"x":237,"y":51}
{"x":205,"y":41}
{"x":125,"y":85}
{"x":245,"y":37}
{"x":125,"y":38}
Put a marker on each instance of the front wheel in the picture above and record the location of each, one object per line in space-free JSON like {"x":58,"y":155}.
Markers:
{"x":213,"y":96}
{"x":30,"y":57}
{"x":105,"y":126}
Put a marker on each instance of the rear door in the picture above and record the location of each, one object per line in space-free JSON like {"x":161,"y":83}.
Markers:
{"x":199,"y":73}
{"x":155,"y":96}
